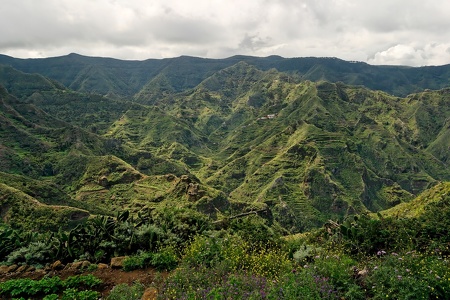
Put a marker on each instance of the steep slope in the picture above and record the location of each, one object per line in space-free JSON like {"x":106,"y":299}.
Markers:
{"x":313,"y":151}
{"x":57,"y":163}
{"x":25,"y":212}
{"x":419,"y":205}
{"x":241,"y":139}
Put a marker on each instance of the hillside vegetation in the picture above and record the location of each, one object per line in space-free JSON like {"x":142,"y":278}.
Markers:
{"x":183,"y":159}
{"x":242,"y":139}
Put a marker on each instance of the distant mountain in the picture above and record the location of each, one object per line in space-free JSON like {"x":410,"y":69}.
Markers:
{"x":130,"y":78}
{"x":220,"y":136}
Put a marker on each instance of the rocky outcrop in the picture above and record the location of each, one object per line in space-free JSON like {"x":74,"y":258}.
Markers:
{"x":117,"y":262}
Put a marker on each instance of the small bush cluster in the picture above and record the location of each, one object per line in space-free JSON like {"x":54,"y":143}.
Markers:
{"x":125,"y":292}
{"x":75,"y":287}
{"x":166,"y":259}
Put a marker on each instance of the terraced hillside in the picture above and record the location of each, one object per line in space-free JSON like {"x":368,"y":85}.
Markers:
{"x":235,"y":139}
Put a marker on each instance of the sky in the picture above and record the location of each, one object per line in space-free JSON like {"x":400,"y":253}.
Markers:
{"x":389,"y":32}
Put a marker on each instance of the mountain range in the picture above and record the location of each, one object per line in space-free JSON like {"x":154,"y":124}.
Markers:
{"x":302,"y":139}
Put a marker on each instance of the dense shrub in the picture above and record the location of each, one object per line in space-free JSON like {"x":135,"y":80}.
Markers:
{"x":75,"y":287}
{"x":35,"y":253}
{"x":125,"y":292}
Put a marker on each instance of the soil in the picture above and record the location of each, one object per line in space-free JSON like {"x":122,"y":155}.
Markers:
{"x":110,"y":277}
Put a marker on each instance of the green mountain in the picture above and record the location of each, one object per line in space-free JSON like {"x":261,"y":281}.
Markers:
{"x":153,"y":76}
{"x":219,"y":136}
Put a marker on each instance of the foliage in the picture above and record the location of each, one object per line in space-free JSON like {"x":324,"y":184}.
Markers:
{"x":11,"y":240}
{"x":141,"y":260}
{"x":164,"y":259}
{"x":74,"y":294}
{"x":29,"y":287}
{"x":82,"y":281}
{"x":35,"y":253}
{"x":206,"y":283}
{"x":233,"y":147}
{"x":75,"y":287}
{"x":409,"y":276}
{"x":125,"y":292}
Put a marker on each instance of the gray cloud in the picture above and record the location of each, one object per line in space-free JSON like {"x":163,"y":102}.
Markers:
{"x":409,"y":32}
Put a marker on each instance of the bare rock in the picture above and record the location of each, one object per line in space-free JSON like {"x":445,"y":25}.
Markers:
{"x":185,"y":178}
{"x":102,"y":266}
{"x":40,"y":273}
{"x":57,"y":265}
{"x":76,"y":265}
{"x":362,"y":273}
{"x":12,"y":268}
{"x":85,"y":264}
{"x":30,"y":269}
{"x":21,"y":269}
{"x":103,"y":181}
{"x":117,"y":262}
{"x":150,"y":294}
{"x":3,"y":270}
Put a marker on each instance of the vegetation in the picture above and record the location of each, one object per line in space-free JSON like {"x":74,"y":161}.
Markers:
{"x":237,"y":180}
{"x":75,"y":287}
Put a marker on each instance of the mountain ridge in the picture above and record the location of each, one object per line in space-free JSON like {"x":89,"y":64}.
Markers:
{"x":128,"y":77}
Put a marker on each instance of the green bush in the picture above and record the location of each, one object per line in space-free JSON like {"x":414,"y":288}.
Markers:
{"x":204,"y":251}
{"x":29,"y":287}
{"x":303,"y":284}
{"x":51,"y":285}
{"x":82,"y":281}
{"x":339,"y":268}
{"x":139,"y":261}
{"x":165,"y":259}
{"x":409,"y":276}
{"x":35,"y":253}
{"x":125,"y":292}
{"x":74,"y":294}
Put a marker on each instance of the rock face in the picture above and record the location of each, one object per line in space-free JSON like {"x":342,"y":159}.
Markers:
{"x":117,"y":262}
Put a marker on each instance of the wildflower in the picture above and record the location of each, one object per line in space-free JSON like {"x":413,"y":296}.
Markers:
{"x":394,"y":254}
{"x":399,"y":277}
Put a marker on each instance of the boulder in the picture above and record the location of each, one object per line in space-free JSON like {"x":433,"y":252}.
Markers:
{"x":12,"y":268}
{"x":85,"y":264}
{"x":150,"y":294}
{"x":3,"y":270}
{"x":117,"y":262}
{"x":30,"y":269}
{"x":76,"y":265}
{"x":57,"y":265}
{"x":102,"y":266}
{"x":21,"y":269}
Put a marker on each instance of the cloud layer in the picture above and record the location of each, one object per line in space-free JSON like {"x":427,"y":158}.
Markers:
{"x":379,"y":32}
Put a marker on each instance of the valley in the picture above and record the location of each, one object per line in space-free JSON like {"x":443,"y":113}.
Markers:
{"x":185,"y":145}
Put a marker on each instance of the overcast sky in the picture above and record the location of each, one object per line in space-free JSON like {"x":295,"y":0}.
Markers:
{"x":401,"y":32}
